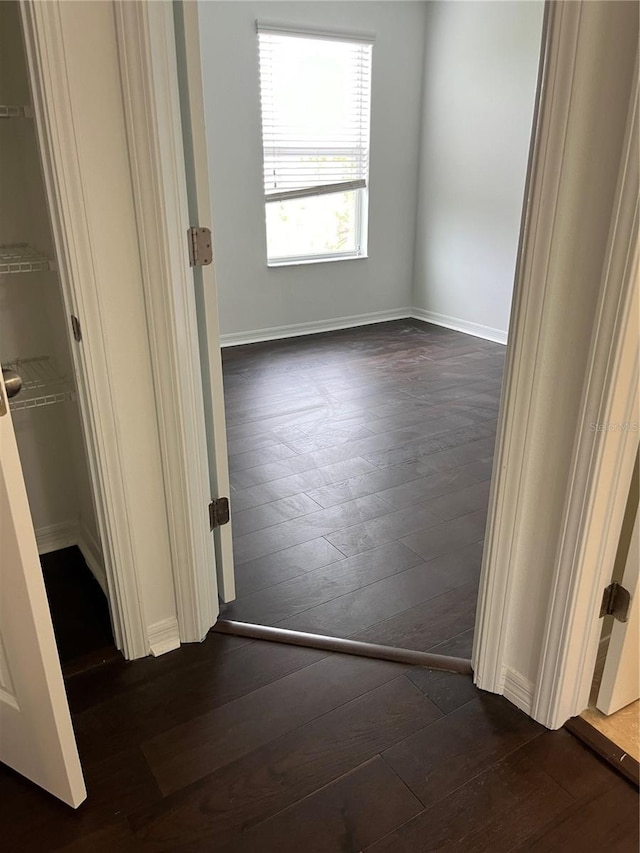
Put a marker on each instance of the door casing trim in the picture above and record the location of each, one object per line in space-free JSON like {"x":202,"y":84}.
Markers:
{"x":602,"y":462}
{"x":147,"y":54}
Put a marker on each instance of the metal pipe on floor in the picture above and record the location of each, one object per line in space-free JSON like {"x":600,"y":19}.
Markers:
{"x":347,"y":647}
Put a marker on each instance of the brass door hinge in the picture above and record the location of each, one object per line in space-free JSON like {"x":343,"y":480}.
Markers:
{"x":616,"y":602}
{"x":219,"y":512}
{"x":200,"y":247}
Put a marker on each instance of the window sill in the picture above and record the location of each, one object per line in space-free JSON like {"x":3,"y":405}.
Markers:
{"x":304,"y":261}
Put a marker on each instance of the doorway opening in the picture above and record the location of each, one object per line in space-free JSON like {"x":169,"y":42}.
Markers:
{"x":37,"y":364}
{"x":361,"y":440}
{"x":360,"y":463}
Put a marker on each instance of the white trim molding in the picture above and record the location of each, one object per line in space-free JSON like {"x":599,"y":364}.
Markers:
{"x":164,"y":636}
{"x":54,"y":110}
{"x":496,"y":581}
{"x":296,"y":330}
{"x":53,"y":537}
{"x":81,"y":104}
{"x":147,"y":51}
{"x":498,"y":336}
{"x":604,"y":456}
{"x":194,"y":137}
{"x":566,"y":441}
{"x":519,"y":690}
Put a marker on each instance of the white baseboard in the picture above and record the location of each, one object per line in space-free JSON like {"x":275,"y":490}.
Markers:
{"x":498,"y":336}
{"x":53,"y":537}
{"x":92,"y":554}
{"x":234,"y":339}
{"x":298,"y":329}
{"x":518,"y":690}
{"x":164,"y":636}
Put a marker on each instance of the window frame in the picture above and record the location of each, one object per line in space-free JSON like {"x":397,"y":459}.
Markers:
{"x":360,"y":227}
{"x":360,"y":187}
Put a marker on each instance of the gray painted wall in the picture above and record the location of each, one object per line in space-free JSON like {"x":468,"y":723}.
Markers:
{"x":481,"y":63}
{"x":253,"y":297}
{"x":452,"y":103}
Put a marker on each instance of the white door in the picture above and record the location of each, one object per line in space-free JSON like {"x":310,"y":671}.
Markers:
{"x":197,"y":170}
{"x":620,"y":683}
{"x":36,"y":736}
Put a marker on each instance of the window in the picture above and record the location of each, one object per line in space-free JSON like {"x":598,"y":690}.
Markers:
{"x":316,"y":101}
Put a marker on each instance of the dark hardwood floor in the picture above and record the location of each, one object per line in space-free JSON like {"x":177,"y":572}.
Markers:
{"x":360,"y":466}
{"x":79,"y":610}
{"x":373,"y":519}
{"x":254,"y":747}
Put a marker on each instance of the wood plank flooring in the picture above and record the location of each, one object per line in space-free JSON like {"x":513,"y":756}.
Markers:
{"x":360,"y":468}
{"x":371,"y":523}
{"x":253,"y":747}
{"x":79,"y":610}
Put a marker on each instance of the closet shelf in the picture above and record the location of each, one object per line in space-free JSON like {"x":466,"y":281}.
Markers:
{"x":42,"y":383}
{"x":21,"y":258}
{"x":15,"y":111}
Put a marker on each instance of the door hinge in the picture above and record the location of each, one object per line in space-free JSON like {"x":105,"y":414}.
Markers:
{"x":200,"y":248}
{"x":219,"y":513}
{"x":616,"y":602}
{"x":75,"y":326}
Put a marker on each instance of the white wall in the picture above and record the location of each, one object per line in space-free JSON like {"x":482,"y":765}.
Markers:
{"x":253,"y":297}
{"x":481,"y":61}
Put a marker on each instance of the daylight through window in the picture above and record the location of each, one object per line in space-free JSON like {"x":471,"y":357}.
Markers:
{"x":316,"y":103}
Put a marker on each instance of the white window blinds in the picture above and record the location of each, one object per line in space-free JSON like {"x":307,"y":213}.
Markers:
{"x":316,"y":103}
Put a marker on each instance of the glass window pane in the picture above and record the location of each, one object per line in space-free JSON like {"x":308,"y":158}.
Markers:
{"x":317,"y":225}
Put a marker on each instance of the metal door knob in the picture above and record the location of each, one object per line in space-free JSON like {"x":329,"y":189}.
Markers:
{"x":12,"y":381}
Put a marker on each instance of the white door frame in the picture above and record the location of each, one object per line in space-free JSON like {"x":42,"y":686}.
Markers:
{"x":591,"y":504}
{"x":590,"y":508}
{"x":105,"y":265}
{"x":53,"y":111}
{"x":187,"y":40}
{"x":147,"y":51}
{"x":562,"y":662}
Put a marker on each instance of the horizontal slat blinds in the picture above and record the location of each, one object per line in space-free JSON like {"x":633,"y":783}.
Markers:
{"x":315,"y":96}
{"x":267,"y":26}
